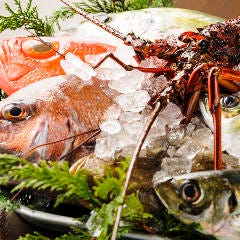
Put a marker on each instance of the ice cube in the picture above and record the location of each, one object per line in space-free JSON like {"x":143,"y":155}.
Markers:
{"x":159,"y":175}
{"x":110,"y":127}
{"x":188,"y":150}
{"x":154,"y":85}
{"x":159,"y":126}
{"x":133,"y":129}
{"x":231,"y":144}
{"x":153,"y":62}
{"x":175,"y":134}
{"x":202,"y":137}
{"x":112,"y":113}
{"x":74,"y":65}
{"x":122,"y":140}
{"x":108,"y":70}
{"x":171,"y":151}
{"x":110,"y":74}
{"x":104,"y":148}
{"x":129,"y":117}
{"x":123,"y":52}
{"x":176,"y":166}
{"x":154,"y":144}
{"x":172,"y":113}
{"x":94,"y":224}
{"x":133,"y":102}
{"x":126,"y":54}
{"x":95,"y":59}
{"x":93,"y":164}
{"x":130,"y":82}
{"x":190,"y":129}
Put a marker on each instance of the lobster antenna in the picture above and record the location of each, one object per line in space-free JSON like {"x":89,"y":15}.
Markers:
{"x":83,"y":142}
{"x":92,"y":19}
{"x":135,"y":155}
{"x":58,"y":141}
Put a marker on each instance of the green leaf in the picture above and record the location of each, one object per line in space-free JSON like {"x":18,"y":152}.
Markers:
{"x":25,"y":18}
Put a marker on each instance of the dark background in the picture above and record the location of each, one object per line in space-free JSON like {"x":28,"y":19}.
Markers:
{"x":220,"y":8}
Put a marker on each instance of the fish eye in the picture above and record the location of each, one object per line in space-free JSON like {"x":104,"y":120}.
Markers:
{"x":42,"y":47}
{"x":36,"y":48}
{"x":107,"y":19}
{"x":229,"y":101}
{"x":15,"y":112}
{"x":203,"y":44}
{"x":190,"y":191}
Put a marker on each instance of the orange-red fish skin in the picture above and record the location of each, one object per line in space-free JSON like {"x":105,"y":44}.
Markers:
{"x":57,"y":108}
{"x":25,"y":60}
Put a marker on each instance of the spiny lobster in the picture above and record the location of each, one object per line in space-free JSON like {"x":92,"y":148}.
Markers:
{"x":206,"y":61}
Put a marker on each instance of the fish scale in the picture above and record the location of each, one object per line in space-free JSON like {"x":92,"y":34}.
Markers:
{"x":21,"y":63}
{"x":56,"y":109}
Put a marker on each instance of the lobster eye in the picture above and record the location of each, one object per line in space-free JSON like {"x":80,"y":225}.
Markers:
{"x":190,"y":191}
{"x":203,"y":44}
{"x":39,"y":49}
{"x":15,"y":112}
{"x":229,"y":101}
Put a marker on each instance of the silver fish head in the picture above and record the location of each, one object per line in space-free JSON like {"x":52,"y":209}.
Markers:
{"x":210,"y":198}
{"x":230,"y":105}
{"x":230,"y":108}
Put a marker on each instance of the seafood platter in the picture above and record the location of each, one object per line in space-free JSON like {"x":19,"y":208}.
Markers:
{"x":159,"y":86}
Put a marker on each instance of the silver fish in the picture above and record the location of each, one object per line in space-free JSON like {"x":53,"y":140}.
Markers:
{"x":210,"y":198}
{"x":230,"y":105}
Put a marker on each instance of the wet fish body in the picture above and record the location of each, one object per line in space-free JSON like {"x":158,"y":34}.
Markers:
{"x":49,"y":110}
{"x":25,"y":60}
{"x":210,"y":198}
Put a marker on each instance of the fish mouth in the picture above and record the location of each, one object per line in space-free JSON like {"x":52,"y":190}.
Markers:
{"x":4,"y":150}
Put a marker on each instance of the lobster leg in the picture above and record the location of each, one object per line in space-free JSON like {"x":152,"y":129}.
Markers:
{"x":215,"y":109}
{"x":192,"y":93}
{"x":226,"y":78}
{"x":160,"y":70}
{"x":194,"y":86}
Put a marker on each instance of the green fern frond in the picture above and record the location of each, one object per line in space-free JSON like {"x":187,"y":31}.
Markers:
{"x":104,"y":196}
{"x":55,"y":177}
{"x":34,"y":236}
{"x":27,"y":18}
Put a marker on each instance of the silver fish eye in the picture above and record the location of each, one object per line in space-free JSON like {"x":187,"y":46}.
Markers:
{"x":190,"y":191}
{"x":229,"y":101}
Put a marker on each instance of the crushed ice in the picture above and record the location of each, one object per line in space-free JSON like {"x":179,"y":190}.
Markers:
{"x":109,"y":69}
{"x":133,"y":102}
{"x":179,"y":145}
